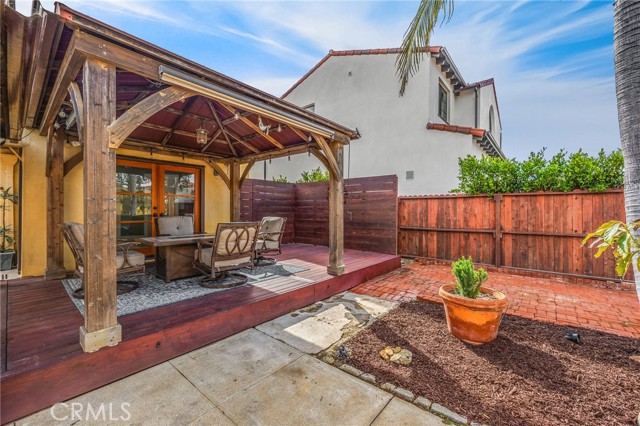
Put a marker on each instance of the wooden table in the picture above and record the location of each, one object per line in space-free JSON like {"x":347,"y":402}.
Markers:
{"x":175,"y":254}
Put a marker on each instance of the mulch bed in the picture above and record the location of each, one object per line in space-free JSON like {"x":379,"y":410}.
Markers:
{"x":530,"y":375}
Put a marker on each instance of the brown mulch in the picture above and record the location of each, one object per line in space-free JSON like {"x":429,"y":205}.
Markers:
{"x":530,"y":375}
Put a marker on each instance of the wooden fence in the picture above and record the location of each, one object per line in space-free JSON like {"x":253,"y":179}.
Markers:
{"x":369,"y":212}
{"x":534,"y":231}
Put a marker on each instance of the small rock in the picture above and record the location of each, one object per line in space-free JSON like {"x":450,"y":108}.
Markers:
{"x":397,"y":349}
{"x":451,"y":415}
{"x":369,"y":378}
{"x":388,"y":387}
{"x":404,"y":357}
{"x":422,"y":402}
{"x":384,"y":355}
{"x":389,"y":350}
{"x":328,"y":359}
{"x":476,"y":424}
{"x":404,"y":394}
{"x":351,"y":370}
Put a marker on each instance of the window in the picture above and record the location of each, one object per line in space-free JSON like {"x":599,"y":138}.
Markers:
{"x":443,"y":103}
{"x":491,"y":119}
{"x":409,"y":175}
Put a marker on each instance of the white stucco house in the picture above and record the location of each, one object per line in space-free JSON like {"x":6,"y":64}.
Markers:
{"x":418,"y":137}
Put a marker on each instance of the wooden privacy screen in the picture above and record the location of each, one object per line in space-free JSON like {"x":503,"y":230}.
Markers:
{"x":536,"y":231}
{"x":369,"y":213}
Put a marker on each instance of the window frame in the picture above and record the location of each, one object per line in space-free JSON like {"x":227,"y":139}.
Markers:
{"x":442,"y":89}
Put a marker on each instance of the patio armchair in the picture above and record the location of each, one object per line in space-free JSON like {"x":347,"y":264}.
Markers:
{"x":233,"y":248}
{"x":269,"y":239}
{"x":128,"y":261}
{"x":175,"y":225}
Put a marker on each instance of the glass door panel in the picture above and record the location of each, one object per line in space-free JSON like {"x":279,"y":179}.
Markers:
{"x":134,"y":200}
{"x":180,"y":192}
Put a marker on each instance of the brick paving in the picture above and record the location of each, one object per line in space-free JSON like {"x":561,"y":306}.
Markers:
{"x":543,"y":299}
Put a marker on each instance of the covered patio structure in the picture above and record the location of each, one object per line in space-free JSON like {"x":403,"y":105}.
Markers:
{"x":105,"y":90}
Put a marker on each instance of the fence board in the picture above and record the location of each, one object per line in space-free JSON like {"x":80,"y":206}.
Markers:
{"x":539,"y":231}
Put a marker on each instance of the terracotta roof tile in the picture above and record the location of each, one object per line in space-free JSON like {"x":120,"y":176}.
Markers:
{"x":395,"y":50}
{"x":456,"y":129}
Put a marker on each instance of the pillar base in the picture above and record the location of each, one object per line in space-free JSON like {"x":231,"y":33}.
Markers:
{"x":55,"y":274}
{"x":92,"y":341}
{"x":335,"y":270}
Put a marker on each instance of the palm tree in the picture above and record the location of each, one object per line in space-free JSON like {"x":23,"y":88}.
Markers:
{"x":626,"y":45}
{"x":626,"y":38}
{"x":416,"y":38}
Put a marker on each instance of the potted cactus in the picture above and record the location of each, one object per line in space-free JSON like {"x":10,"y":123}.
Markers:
{"x":473,"y":312}
{"x":6,"y":231}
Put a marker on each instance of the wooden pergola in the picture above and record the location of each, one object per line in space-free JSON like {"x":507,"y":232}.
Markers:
{"x":108,"y":89}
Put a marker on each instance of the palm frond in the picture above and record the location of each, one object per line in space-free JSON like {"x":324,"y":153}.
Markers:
{"x":416,"y":38}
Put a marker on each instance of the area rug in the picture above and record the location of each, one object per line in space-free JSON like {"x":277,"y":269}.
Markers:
{"x":154,"y":292}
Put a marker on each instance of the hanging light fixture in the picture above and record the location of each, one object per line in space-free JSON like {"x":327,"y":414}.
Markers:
{"x":202,"y":135}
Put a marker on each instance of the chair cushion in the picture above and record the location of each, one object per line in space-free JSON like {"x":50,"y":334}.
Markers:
{"x":175,"y":225}
{"x":205,"y":257}
{"x":134,"y":258}
{"x":77,"y":230}
{"x":267,"y":245}
{"x":271,"y":224}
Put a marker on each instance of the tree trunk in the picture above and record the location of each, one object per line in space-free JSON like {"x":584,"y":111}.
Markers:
{"x":627,"y":68}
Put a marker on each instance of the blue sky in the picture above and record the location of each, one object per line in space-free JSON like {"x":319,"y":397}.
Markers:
{"x":552,"y":60}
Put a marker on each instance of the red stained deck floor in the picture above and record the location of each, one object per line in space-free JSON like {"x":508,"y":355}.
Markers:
{"x":45,"y":364}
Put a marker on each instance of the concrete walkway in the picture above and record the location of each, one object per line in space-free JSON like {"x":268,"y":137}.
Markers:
{"x":262,"y":376}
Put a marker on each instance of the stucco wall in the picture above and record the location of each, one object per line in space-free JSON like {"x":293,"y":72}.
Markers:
{"x":216,"y":199}
{"x":362,"y":92}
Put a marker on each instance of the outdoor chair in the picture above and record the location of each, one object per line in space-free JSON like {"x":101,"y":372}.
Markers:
{"x":175,"y":225}
{"x":233,"y":248}
{"x":269,"y":239}
{"x":128,"y":261}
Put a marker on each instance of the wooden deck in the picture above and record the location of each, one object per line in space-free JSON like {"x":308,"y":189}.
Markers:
{"x":44,"y":361}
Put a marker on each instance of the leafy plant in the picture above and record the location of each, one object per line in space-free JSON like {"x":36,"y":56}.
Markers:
{"x":315,"y":175}
{"x":619,"y":237}
{"x":468,"y":280}
{"x":281,"y":178}
{"x":6,"y":231}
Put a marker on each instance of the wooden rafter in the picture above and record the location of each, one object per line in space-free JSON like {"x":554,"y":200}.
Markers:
{"x":140,"y":112}
{"x":254,"y":126}
{"x":178,"y":121}
{"x":333,"y":164}
{"x":217,"y":118}
{"x":243,"y":142}
{"x":298,"y":149}
{"x":213,"y":139}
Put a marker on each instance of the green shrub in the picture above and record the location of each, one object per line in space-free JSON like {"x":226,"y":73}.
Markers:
{"x":468,"y":280}
{"x":563,"y":173}
{"x":281,"y":178}
{"x":315,"y":175}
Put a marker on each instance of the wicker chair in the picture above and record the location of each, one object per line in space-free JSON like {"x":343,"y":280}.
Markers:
{"x":128,"y":262}
{"x":233,"y":248}
{"x":269,"y":239}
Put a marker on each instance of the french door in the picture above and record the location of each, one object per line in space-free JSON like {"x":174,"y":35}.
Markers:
{"x":145,"y":191}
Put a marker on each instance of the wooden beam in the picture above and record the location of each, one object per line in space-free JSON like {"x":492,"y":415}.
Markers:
{"x":276,"y":153}
{"x":101,"y":327}
{"x":327,"y":151}
{"x":246,"y":171}
{"x":234,"y":189}
{"x":336,"y":215}
{"x":253,"y":126}
{"x":69,"y":69}
{"x":140,"y":112}
{"x":72,"y":162}
{"x":213,"y":140}
{"x":221,"y":172}
{"x":217,"y":118}
{"x":320,"y":156}
{"x":15,"y":33}
{"x":55,"y":207}
{"x":242,"y":142}
{"x":178,"y":121}
{"x":78,"y":106}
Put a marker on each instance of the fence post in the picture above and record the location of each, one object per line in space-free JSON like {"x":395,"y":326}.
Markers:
{"x":498,"y":234}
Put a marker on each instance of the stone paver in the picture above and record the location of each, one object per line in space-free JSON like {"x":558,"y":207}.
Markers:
{"x":402,"y":413}
{"x":437,"y":408}
{"x":224,"y":368}
{"x":307,"y":392}
{"x":549,"y":300}
{"x":157,"y":396}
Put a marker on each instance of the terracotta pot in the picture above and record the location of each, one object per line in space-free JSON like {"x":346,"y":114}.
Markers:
{"x":474,"y":321}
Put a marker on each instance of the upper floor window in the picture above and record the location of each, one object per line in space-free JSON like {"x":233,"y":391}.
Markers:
{"x":443,"y":102}
{"x":491,"y":119}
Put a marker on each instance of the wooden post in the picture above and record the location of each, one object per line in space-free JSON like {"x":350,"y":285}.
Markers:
{"x":101,"y":327}
{"x":235,"y":184}
{"x":498,"y":235}
{"x":336,"y":214}
{"x":55,"y":205}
